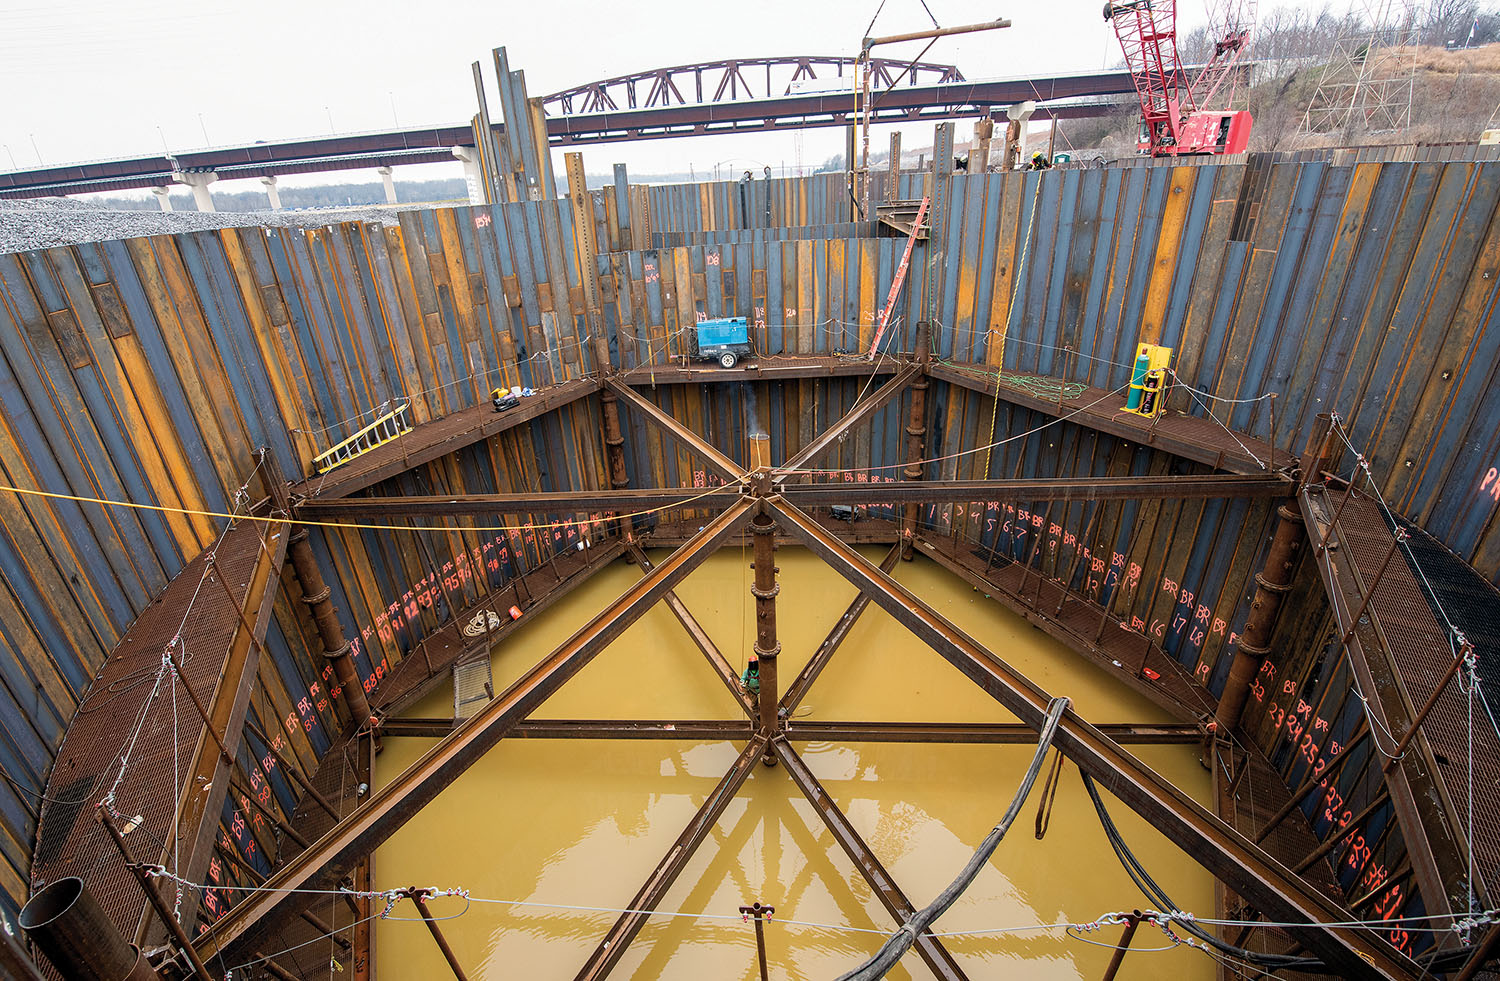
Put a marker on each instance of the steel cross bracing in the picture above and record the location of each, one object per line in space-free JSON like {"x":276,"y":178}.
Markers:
{"x":736,"y":79}
{"x":1278,"y":893}
{"x":803,"y":495}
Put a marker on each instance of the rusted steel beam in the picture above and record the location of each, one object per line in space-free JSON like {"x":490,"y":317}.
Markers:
{"x":1242,"y":866}
{"x":861,"y":412}
{"x":1465,"y":652}
{"x":1332,"y":841}
{"x":711,"y":455}
{"x":783,"y":368}
{"x":1105,"y":652}
{"x":767,"y":647}
{"x":225,"y":709}
{"x":1003,"y":733}
{"x":804,"y":495}
{"x":294,"y":770}
{"x":1040,"y":489}
{"x":1431,"y":842}
{"x":802,"y":730}
{"x":1185,"y":436}
{"x":419,"y":899}
{"x":613,"y":946}
{"x":427,"y":664}
{"x":1487,"y":950}
{"x":14,"y":962}
{"x":690,"y":729}
{"x":386,"y":810}
{"x":916,"y":437}
{"x":438,"y":438}
{"x":1128,"y":934}
{"x":716,"y":660}
{"x":1271,"y":584}
{"x":315,"y":596}
{"x":169,"y":922}
{"x":1314,"y":779}
{"x":542,"y":502}
{"x":929,"y":948}
{"x":815,"y":664}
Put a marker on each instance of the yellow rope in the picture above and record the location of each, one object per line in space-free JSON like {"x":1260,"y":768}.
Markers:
{"x":989,"y":443}
{"x":532,"y":526}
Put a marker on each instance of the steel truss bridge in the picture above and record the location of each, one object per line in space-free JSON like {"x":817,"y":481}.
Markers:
{"x":711,"y":98}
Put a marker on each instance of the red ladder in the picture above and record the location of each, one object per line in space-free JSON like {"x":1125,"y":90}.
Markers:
{"x":890,"y":301}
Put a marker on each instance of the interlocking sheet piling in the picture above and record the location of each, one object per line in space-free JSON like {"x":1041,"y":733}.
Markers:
{"x":159,"y":778}
{"x":430,"y":660}
{"x":1125,"y":654}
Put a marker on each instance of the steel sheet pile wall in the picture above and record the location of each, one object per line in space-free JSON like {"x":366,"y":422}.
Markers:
{"x":1366,"y":290}
{"x":149,"y":370}
{"x":640,"y":216}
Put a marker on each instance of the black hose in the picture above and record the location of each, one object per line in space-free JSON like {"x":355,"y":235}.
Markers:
{"x":1157,"y":895}
{"x":900,"y":942}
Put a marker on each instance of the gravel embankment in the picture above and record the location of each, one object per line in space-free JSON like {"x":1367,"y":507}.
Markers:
{"x":41,"y":223}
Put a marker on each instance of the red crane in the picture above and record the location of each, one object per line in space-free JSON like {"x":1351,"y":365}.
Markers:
{"x":1173,"y":122}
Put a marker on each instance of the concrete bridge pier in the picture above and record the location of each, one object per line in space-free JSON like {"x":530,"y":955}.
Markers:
{"x":163,"y":197}
{"x":390,"y":184}
{"x":469,"y":157}
{"x":272,"y":194}
{"x":198,"y":180}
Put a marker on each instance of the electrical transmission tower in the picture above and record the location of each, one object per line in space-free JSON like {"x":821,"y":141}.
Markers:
{"x":1369,"y":80}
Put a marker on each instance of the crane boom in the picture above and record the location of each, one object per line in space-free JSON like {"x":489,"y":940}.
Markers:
{"x":1172,"y":120}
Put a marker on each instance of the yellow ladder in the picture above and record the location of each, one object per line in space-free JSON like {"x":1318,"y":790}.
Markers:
{"x":377,"y":433}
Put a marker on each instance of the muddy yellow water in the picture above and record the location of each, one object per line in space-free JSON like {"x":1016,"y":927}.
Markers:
{"x":551,"y":831}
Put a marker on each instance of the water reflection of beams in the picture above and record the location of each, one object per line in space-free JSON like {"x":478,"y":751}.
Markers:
{"x":931,"y":950}
{"x":609,"y":951}
{"x":1238,"y":863}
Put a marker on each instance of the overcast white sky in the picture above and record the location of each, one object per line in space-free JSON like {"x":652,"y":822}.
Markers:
{"x":90,"y":79}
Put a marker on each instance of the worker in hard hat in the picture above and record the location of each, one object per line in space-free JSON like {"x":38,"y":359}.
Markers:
{"x":1039,"y":161}
{"x":750,"y":679}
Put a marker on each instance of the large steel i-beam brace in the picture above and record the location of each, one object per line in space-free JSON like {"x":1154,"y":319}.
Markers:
{"x":1244,"y":867}
{"x":711,"y":455}
{"x":388,"y":809}
{"x":929,"y":948}
{"x":861,"y":411}
{"x":803,"y":731}
{"x":659,"y":882}
{"x":806,"y":495}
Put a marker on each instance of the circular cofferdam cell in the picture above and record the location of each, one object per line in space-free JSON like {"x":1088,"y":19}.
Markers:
{"x":552,"y":836}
